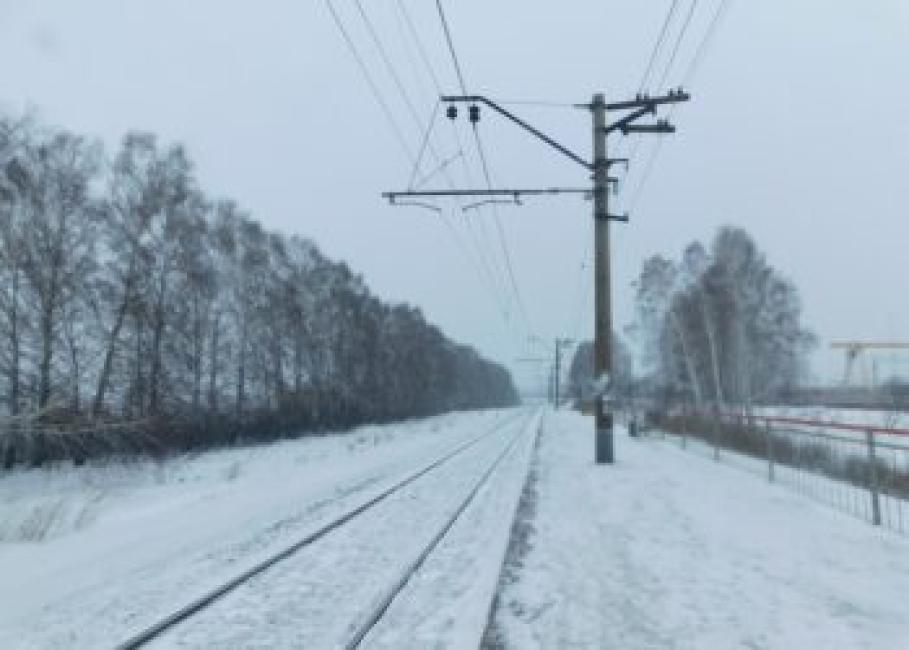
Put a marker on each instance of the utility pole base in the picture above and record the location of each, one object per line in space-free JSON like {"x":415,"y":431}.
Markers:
{"x":605,"y":452}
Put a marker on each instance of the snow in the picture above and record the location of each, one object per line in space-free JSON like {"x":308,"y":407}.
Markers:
{"x":447,"y":602}
{"x":319,"y":596}
{"x":89,"y":555}
{"x":664,"y":549}
{"x":870,"y":417}
{"x":667,"y":549}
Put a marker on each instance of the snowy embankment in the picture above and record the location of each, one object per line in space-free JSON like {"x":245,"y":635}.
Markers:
{"x":89,"y":554}
{"x":670,"y":550}
{"x":326,"y":592}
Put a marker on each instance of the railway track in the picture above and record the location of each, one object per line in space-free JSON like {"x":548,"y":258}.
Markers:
{"x":359,"y":630}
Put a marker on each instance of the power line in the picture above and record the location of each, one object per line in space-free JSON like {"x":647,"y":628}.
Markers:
{"x":383,"y":53}
{"x":425,"y":141}
{"x":451,"y":48}
{"x":402,"y":90}
{"x":688,"y":77}
{"x":502,"y":239}
{"x":678,"y":43}
{"x":421,"y":49}
{"x":486,"y":174}
{"x":380,"y":98}
{"x":402,"y":10}
{"x":377,"y":93}
{"x":658,"y":45}
{"x":709,"y":35}
{"x":495,"y":274}
{"x":479,"y":145}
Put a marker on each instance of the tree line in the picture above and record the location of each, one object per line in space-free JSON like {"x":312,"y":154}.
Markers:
{"x":721,"y":325}
{"x":127,"y":294}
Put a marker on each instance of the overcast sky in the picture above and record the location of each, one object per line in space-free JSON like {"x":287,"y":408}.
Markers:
{"x":798,"y":131}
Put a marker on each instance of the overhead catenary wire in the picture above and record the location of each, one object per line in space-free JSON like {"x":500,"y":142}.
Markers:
{"x":383,"y":103}
{"x":495,"y":274}
{"x":678,"y":43}
{"x":506,"y":254}
{"x":468,"y":221}
{"x":423,"y":144}
{"x":484,"y":255}
{"x":642,"y":87}
{"x":680,"y":37}
{"x":687,"y":78}
{"x":451,"y":47}
{"x":364,"y":70}
{"x":486,"y":173}
{"x":483,"y":268}
{"x":703,"y":46}
{"x":402,"y":140}
{"x":658,"y":45}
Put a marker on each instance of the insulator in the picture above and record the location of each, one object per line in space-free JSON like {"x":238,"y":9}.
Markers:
{"x":452,"y":112}
{"x":474,"y":113}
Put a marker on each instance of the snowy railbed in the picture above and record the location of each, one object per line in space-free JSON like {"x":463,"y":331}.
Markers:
{"x":88,"y":554}
{"x":668,"y":549}
{"x":324,"y":593}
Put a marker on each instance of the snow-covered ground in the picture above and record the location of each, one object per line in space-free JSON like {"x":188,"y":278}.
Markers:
{"x":320,"y":596}
{"x":667,"y":549}
{"x":868,"y":417}
{"x":89,"y":555}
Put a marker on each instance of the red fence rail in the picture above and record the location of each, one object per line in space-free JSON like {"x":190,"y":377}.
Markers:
{"x":829,"y":424}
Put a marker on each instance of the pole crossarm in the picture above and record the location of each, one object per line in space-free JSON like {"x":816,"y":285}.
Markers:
{"x":393,"y":197}
{"x":517,"y":120}
{"x":672,"y":97}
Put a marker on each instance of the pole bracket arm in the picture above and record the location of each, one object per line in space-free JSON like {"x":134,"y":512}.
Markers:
{"x":622,"y":124}
{"x":662,"y":126}
{"x":524,"y":125}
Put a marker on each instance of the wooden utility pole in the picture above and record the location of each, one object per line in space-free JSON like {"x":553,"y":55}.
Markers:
{"x":635,"y":109}
{"x":602,"y":355}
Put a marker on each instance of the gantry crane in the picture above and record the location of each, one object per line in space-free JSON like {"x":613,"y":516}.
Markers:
{"x":854,"y":349}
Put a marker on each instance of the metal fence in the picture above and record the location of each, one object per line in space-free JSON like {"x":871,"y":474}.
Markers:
{"x":861,"y":470}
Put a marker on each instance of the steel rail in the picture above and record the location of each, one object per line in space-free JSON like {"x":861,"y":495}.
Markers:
{"x":379,"y":611}
{"x":155,"y":630}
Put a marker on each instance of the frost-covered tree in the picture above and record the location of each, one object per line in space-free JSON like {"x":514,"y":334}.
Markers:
{"x":129,"y":296}
{"x":721,"y":327}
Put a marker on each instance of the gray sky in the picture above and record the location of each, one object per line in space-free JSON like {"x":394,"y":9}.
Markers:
{"x":797,"y":131}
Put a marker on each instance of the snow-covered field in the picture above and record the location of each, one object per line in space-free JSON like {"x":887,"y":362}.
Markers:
{"x":668,"y":549}
{"x":868,"y":417}
{"x":665,"y":549}
{"x":89,"y":555}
